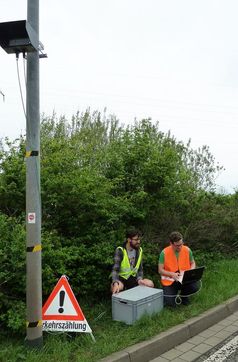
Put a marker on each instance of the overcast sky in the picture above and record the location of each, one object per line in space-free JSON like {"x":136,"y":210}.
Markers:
{"x":174,"y":61}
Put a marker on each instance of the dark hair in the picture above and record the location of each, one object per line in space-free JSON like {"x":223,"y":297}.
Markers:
{"x":175,"y":236}
{"x":131,"y":232}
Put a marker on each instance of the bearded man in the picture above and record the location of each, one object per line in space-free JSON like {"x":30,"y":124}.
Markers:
{"x":127,"y":271}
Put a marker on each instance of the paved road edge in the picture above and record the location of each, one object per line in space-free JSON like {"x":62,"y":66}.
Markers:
{"x":148,"y":350}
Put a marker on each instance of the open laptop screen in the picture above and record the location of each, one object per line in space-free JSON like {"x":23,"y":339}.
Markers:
{"x":192,"y":275}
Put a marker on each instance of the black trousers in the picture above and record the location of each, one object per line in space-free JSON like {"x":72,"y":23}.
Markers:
{"x":171,"y":291}
{"x":129,"y":283}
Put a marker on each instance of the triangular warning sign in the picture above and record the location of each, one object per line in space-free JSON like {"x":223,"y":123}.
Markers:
{"x":62,"y":304}
{"x":63,"y":310}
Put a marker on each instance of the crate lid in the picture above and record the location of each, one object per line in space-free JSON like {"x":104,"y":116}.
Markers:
{"x":138,"y":293}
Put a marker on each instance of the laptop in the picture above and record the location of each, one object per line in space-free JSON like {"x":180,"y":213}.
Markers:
{"x":192,"y":275}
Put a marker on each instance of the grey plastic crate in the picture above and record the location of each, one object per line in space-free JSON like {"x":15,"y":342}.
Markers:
{"x":132,"y":304}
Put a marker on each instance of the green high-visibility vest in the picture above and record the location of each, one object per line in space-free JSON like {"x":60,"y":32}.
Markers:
{"x":125,"y":270}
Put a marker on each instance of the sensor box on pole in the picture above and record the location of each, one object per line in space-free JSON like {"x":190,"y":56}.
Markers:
{"x":18,"y":37}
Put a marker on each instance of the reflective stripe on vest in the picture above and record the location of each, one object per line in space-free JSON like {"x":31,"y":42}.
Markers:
{"x":125,"y":270}
{"x":172,"y":264}
{"x":167,"y":278}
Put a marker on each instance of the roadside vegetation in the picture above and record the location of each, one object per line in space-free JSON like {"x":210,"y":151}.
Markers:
{"x":98,"y":178}
{"x":114,"y":336}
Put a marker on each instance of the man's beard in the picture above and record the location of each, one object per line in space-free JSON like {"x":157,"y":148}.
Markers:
{"x":134,"y":246}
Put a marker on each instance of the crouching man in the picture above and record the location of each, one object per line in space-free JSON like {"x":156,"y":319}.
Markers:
{"x":172,"y":261}
{"x":127,"y":271}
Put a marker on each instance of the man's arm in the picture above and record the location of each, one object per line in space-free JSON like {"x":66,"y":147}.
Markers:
{"x":162,"y":271}
{"x":140,"y":272}
{"x":169,"y":274}
{"x":117,"y":265}
{"x":192,"y":261}
{"x":116,"y":285}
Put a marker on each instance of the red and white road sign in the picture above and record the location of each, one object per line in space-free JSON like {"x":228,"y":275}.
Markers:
{"x":61,"y":312}
{"x":31,"y":217}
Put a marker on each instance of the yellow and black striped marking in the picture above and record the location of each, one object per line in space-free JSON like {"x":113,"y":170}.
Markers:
{"x":32,"y":153}
{"x":34,"y":324}
{"x":33,"y":249}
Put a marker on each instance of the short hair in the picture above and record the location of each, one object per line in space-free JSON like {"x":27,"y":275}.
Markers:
{"x":131,"y":232}
{"x":175,"y":236}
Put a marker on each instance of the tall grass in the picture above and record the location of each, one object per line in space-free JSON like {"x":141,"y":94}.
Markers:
{"x":220,"y":282}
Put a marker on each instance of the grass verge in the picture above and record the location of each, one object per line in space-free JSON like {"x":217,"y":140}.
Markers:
{"x":220,"y":282}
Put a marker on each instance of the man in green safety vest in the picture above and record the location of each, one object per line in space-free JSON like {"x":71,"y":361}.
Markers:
{"x":127,"y":271}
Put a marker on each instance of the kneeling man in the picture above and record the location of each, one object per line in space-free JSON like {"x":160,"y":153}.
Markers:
{"x":127,"y":271}
{"x":172,"y":261}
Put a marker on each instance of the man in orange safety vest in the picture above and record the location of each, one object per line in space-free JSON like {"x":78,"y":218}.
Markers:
{"x":174,"y":259}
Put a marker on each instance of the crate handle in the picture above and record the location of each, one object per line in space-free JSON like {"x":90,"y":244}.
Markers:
{"x":122,"y":301}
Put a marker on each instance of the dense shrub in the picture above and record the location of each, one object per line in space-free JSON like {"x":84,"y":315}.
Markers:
{"x":12,"y":273}
{"x":97,"y":178}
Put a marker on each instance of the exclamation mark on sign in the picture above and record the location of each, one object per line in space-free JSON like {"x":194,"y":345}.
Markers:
{"x":61,"y":301}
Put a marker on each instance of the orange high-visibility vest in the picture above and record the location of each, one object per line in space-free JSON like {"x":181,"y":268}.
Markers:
{"x":171,"y":263}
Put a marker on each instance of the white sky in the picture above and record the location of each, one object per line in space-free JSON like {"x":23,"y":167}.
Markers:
{"x":174,"y":61}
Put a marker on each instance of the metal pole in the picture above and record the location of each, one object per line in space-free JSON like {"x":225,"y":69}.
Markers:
{"x":34,"y":336}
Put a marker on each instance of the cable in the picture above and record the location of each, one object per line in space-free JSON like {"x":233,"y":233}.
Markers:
{"x":178,"y":297}
{"x":24,"y":67}
{"x":19,"y":82}
{"x":3,"y":95}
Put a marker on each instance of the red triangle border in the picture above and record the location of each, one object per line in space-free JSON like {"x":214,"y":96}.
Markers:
{"x":63,"y":282}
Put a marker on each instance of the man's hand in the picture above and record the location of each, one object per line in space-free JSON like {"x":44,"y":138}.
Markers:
{"x":146,"y":283}
{"x":175,"y":276}
{"x":115,"y":288}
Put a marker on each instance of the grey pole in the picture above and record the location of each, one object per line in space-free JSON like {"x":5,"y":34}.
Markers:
{"x":34,"y":336}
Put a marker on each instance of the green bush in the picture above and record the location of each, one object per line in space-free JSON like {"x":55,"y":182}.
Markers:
{"x":97,"y":178}
{"x":12,"y":274}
